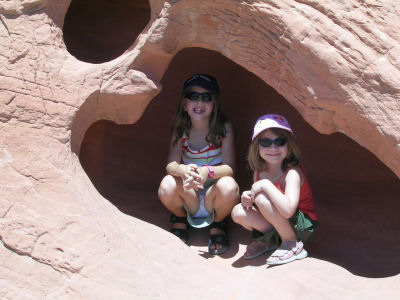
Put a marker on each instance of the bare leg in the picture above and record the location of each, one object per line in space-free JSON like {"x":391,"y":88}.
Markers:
{"x":290,"y":249}
{"x":272,"y":215}
{"x":251,"y":218}
{"x":221,"y":198}
{"x":173,"y":196}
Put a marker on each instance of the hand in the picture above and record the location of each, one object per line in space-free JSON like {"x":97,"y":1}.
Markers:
{"x":191,"y":183}
{"x":247,"y":199}
{"x":203,"y":172}
{"x":259,"y":186}
{"x":191,"y":178}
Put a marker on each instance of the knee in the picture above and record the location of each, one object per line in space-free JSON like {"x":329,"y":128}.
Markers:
{"x":238,"y":214}
{"x":228,"y":188}
{"x":167,"y":188}
{"x":262,"y":200}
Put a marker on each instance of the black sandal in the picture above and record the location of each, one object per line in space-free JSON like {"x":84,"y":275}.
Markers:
{"x":180,"y":232}
{"x":221,"y":239}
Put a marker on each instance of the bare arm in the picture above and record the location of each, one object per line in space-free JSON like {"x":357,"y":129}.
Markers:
{"x":246,"y":198}
{"x":174,"y":158}
{"x":286,"y":203}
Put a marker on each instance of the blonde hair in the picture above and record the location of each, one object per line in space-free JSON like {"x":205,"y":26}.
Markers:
{"x":182,"y":123}
{"x":257,"y":163}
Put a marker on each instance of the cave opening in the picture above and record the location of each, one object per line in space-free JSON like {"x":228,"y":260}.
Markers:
{"x":98,"y":31}
{"x":356,"y":194}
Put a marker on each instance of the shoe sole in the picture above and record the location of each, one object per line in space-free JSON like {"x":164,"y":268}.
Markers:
{"x":256,"y":254}
{"x":301,"y":255}
{"x":267,"y":249}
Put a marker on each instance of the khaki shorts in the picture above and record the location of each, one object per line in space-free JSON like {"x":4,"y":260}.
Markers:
{"x":303,"y":227}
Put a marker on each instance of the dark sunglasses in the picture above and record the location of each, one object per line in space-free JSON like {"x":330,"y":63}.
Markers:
{"x":194,"y":96}
{"x":279,"y":142}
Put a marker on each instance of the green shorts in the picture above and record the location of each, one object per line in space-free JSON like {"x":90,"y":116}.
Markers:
{"x":303,"y":227}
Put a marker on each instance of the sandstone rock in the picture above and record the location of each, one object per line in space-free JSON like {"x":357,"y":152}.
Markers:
{"x":62,"y":235}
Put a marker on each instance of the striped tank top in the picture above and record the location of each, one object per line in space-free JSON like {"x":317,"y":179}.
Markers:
{"x":209,"y":155}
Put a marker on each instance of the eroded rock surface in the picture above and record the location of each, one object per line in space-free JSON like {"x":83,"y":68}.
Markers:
{"x":336,"y":64}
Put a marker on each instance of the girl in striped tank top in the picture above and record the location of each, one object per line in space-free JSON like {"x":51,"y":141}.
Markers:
{"x":199,"y":189}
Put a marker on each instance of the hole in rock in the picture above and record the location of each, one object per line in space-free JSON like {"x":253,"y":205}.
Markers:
{"x":97,"y":31}
{"x":356,"y":195}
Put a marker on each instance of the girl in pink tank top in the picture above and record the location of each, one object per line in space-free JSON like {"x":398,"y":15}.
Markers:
{"x":279,"y":207}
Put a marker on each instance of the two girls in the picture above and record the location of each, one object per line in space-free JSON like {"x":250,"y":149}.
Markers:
{"x":200,"y":190}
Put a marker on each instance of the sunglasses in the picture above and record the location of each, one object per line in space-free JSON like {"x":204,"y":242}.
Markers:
{"x":194,"y":96}
{"x":279,"y":142}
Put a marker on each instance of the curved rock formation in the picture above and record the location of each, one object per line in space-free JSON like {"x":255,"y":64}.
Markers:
{"x":79,"y":214}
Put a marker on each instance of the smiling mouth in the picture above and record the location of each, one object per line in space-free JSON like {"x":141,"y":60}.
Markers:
{"x":274,"y":154}
{"x":198,"y":110}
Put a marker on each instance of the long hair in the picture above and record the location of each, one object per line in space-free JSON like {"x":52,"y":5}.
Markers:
{"x":182,"y":124}
{"x":256,"y":162}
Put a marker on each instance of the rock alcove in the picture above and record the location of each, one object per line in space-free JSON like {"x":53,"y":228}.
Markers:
{"x":127,"y":162}
{"x":97,"y":31}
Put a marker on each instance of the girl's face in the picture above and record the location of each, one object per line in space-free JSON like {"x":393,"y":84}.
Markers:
{"x":273,"y":154}
{"x":201,"y":104}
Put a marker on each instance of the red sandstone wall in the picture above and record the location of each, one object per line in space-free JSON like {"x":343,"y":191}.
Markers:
{"x":68,"y":235}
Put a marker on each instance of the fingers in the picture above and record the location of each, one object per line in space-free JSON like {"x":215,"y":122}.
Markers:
{"x":192,"y":179}
{"x":247,"y":204}
{"x":191,"y":171}
{"x":192,"y":183}
{"x":196,"y":176}
{"x":252,"y":196}
{"x":193,"y":167}
{"x":247,"y":200}
{"x":187,"y":182}
{"x":193,"y":186}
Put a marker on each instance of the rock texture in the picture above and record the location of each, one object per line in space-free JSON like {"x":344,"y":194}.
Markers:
{"x":79,"y":214}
